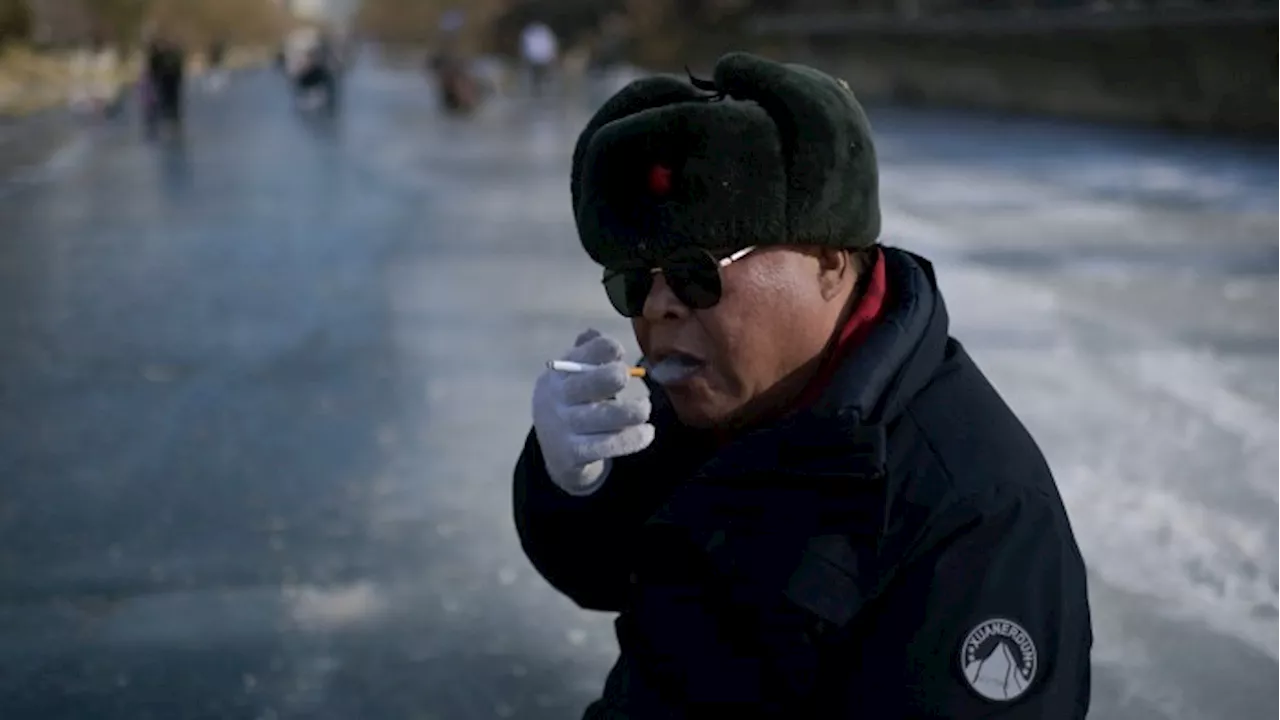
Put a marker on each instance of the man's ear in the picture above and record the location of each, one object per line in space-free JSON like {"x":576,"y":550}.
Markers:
{"x":837,"y":272}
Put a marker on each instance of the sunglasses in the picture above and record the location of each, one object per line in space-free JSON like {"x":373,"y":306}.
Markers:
{"x":693,"y":274}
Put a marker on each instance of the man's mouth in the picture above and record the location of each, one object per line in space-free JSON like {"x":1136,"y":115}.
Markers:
{"x":673,"y":368}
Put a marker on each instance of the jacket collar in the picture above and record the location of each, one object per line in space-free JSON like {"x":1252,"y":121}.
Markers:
{"x":844,"y":431}
{"x":900,"y":356}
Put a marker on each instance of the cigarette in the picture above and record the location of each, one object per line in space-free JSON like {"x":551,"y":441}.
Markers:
{"x":569,"y":366}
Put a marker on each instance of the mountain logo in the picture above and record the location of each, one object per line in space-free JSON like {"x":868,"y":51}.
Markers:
{"x":998,"y":659}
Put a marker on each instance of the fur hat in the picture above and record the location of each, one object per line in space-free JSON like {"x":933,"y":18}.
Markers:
{"x":764,"y":153}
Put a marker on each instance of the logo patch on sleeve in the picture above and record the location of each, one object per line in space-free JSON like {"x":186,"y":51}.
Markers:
{"x":998,"y":659}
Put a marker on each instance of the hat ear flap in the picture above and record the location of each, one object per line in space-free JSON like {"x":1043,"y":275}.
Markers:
{"x":638,"y":96}
{"x":821,"y":126}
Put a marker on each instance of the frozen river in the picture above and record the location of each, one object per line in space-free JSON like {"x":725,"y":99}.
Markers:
{"x":261,"y":397}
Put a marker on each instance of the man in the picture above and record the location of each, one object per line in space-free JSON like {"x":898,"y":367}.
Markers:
{"x":455,"y":80}
{"x":166,"y":68}
{"x":317,"y":70}
{"x":216,"y":77}
{"x":823,"y":509}
{"x":540,"y":48}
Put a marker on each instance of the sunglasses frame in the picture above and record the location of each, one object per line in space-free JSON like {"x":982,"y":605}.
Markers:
{"x":681,"y":292}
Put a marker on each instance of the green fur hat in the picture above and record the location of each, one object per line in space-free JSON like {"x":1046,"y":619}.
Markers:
{"x":764,"y":153}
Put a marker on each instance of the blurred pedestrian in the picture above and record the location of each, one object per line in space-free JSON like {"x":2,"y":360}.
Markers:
{"x":215,"y":72}
{"x":459,"y":85}
{"x":822,"y":509}
{"x":165,"y":75}
{"x":540,"y":49}
{"x":316,"y":71}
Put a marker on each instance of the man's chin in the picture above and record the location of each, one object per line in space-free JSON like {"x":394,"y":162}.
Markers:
{"x":700,"y":413}
{"x":711,"y":411}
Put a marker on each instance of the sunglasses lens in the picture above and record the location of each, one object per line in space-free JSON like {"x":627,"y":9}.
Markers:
{"x":694,"y":277}
{"x":628,"y":291}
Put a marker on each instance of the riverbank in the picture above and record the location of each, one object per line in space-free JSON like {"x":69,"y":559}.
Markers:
{"x":32,"y":81}
{"x":1212,"y":75}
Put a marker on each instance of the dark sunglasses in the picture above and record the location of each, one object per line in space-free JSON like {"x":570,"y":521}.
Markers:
{"x":693,"y":274}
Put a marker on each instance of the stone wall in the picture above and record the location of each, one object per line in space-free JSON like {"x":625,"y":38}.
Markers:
{"x":1218,"y":78}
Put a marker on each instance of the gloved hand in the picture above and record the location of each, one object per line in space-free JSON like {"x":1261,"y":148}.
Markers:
{"x":580,"y":424}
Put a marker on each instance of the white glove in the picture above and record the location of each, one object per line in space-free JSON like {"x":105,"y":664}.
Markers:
{"x":580,"y":424}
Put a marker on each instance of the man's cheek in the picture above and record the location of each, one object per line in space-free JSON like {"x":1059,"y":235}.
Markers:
{"x":641,"y":332}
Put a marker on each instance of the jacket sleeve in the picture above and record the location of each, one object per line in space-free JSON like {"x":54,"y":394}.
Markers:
{"x":583,"y":545}
{"x":991,"y":620}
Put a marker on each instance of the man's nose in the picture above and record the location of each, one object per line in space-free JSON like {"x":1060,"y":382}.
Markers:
{"x":662,"y":303}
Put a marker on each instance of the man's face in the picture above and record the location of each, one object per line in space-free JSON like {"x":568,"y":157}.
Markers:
{"x":758,"y":347}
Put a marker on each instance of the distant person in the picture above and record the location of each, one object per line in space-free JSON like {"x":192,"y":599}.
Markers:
{"x":166,"y":72}
{"x":455,"y":80}
{"x":540,"y":49}
{"x":316,"y":70}
{"x":217,"y":53}
{"x":216,"y":74}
